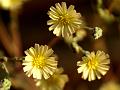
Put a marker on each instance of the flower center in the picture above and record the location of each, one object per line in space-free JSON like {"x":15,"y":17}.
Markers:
{"x":64,"y":19}
{"x":39,"y":62}
{"x":92,"y":64}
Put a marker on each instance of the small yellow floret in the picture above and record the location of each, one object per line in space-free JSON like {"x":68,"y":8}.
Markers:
{"x":94,"y":65}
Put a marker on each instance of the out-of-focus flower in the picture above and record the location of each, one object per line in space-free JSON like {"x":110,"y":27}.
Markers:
{"x":40,"y":61}
{"x":55,"y":82}
{"x":111,"y":85}
{"x":1,"y":53}
{"x":93,"y":65}
{"x":106,"y":15}
{"x":64,"y":21}
{"x":11,"y":4}
{"x":98,"y":32}
{"x":79,"y":35}
{"x":6,"y":84}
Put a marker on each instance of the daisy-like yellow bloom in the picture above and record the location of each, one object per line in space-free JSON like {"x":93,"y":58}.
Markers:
{"x":94,"y":65}
{"x":40,"y":61}
{"x":55,"y":82}
{"x":64,"y":20}
{"x":111,"y":85}
{"x":11,"y":4}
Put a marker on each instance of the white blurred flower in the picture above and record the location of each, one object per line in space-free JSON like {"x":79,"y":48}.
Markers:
{"x":79,"y":35}
{"x":55,"y":82}
{"x":40,"y":61}
{"x":111,"y":85}
{"x":93,"y":65}
{"x":64,"y":20}
{"x":11,"y":4}
{"x":106,"y":15}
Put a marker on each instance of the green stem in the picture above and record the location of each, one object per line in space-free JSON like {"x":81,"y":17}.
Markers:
{"x":88,"y":28}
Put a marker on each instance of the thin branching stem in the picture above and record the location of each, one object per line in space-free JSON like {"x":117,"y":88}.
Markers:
{"x":88,"y":28}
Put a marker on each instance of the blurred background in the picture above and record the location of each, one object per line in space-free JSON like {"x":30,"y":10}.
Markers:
{"x":32,"y":27}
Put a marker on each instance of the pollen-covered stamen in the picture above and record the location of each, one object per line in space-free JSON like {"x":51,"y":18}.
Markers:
{"x":65,"y":19}
{"x":92,"y":64}
{"x":39,"y":62}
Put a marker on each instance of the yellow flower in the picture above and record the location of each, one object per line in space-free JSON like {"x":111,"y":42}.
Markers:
{"x":93,"y":65}
{"x":55,"y":82}
{"x":111,"y":85}
{"x":64,"y":21}
{"x":10,"y":4}
{"x":40,"y":61}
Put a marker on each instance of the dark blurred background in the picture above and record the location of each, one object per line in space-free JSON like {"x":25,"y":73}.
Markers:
{"x":33,"y":29}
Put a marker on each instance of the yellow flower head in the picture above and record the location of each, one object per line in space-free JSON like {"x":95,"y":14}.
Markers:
{"x":64,"y":21}
{"x":93,"y":65}
{"x":11,"y":4}
{"x":55,"y":82}
{"x":40,"y":61}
